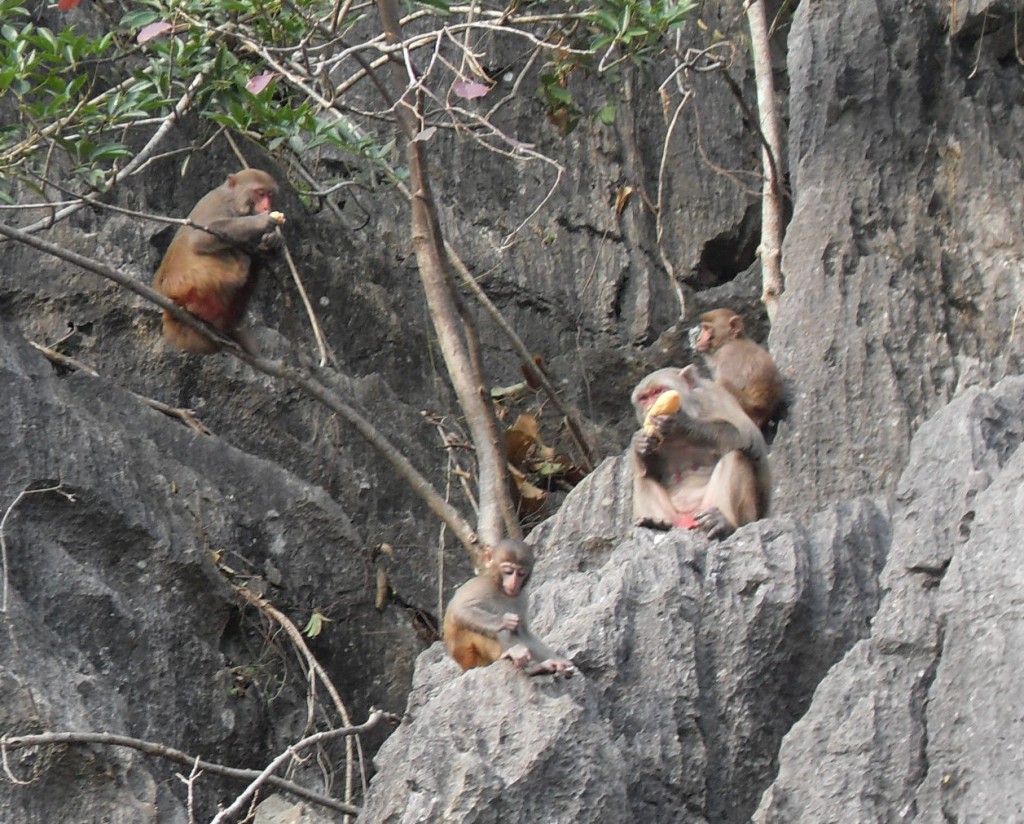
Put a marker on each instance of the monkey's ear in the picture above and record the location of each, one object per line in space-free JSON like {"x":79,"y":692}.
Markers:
{"x":736,"y":323}
{"x":689,"y":375}
{"x":232,"y":181}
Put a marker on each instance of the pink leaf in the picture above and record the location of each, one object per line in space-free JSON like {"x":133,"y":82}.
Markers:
{"x":469,"y":89}
{"x":260,"y":82}
{"x":67,"y":5}
{"x":153,"y":30}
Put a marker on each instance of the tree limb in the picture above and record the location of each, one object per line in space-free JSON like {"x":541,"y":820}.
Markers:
{"x":17,"y":742}
{"x":771,"y":198}
{"x":295,"y":376}
{"x":428,"y":243}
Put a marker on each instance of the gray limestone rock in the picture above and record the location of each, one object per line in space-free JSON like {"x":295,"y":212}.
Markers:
{"x":918,"y":722}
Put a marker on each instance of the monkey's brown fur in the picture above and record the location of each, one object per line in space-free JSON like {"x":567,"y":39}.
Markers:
{"x":739,"y":364}
{"x":210,"y":273}
{"x":487,"y":617}
{"x":705,"y":466}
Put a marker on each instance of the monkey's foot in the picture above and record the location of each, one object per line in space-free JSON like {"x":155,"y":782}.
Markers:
{"x":557,"y":667}
{"x":654,"y":523}
{"x":713,"y":522}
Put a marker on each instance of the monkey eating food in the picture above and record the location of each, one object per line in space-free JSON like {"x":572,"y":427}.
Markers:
{"x":487,"y":617}
{"x":738,"y":363}
{"x":703,"y":463}
{"x":209,"y":268}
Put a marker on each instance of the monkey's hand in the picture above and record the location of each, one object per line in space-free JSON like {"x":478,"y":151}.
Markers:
{"x":518,"y":655}
{"x":647,"y":442}
{"x":713,"y":522}
{"x":509,"y":621}
{"x":270,"y":239}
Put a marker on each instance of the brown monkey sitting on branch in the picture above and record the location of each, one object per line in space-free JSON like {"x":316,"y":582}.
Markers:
{"x":704,"y":465}
{"x":209,"y":267}
{"x":738,"y":363}
{"x":486,"y":619}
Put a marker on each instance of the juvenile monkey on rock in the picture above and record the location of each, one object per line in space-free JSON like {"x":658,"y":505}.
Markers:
{"x":486,"y":619}
{"x":209,"y":268}
{"x":738,"y":363}
{"x":698,"y":461}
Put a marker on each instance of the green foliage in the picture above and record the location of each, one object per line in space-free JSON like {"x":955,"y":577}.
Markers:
{"x":82,"y":98}
{"x":315,"y":624}
{"x":635,"y":28}
{"x":616,"y":32}
{"x":87,"y":94}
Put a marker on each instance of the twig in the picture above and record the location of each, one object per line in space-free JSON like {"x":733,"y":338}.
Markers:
{"x":589,"y":455}
{"x":11,"y":743}
{"x":659,"y":212}
{"x":190,"y":782}
{"x":321,"y":342}
{"x":3,"y":534}
{"x":186,"y":416}
{"x":267,"y":774}
{"x":293,"y":633}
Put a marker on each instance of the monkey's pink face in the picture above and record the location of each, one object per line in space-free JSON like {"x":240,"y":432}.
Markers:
{"x":513,"y":577}
{"x":705,"y":333}
{"x":262,"y":200}
{"x":647,"y":398}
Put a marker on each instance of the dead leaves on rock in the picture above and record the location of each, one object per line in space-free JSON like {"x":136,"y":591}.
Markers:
{"x":536,"y":468}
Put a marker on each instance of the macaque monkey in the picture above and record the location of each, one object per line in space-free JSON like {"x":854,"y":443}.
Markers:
{"x":738,"y":364}
{"x":704,"y":466}
{"x":209,"y":270}
{"x":486,"y":619}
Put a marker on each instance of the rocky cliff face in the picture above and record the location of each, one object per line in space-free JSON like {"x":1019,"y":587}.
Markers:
{"x":694,"y":660}
{"x":850,"y":658}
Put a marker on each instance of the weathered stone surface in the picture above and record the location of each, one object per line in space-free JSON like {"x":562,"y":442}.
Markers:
{"x":905,"y":248}
{"x":117,"y":617}
{"x":694,"y":659}
{"x":903,"y":261}
{"x":920,"y":721}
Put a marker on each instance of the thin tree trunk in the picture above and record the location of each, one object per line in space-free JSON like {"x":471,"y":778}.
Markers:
{"x":428,"y":244}
{"x":771,"y":198}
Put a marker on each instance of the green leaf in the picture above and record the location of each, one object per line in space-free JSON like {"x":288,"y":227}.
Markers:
{"x":137,"y":19}
{"x":558,"y":94}
{"x":109,"y":151}
{"x":606,"y":114}
{"x":315,"y":624}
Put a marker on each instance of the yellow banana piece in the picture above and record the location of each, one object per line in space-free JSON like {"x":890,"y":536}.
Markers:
{"x":668,"y":403}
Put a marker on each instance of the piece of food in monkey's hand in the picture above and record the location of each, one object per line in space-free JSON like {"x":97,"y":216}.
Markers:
{"x":668,"y":403}
{"x":277,"y":217}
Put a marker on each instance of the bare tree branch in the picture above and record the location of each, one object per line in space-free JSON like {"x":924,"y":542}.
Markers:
{"x":295,"y":376}
{"x":428,"y":243}
{"x":267,"y":774}
{"x":17,"y":742}
{"x":186,"y":416}
{"x":293,"y":633}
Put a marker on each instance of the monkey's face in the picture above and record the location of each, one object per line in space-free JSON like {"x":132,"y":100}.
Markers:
{"x":259,"y":200}
{"x":645,"y":397}
{"x":512,"y":577}
{"x":702,"y":336}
